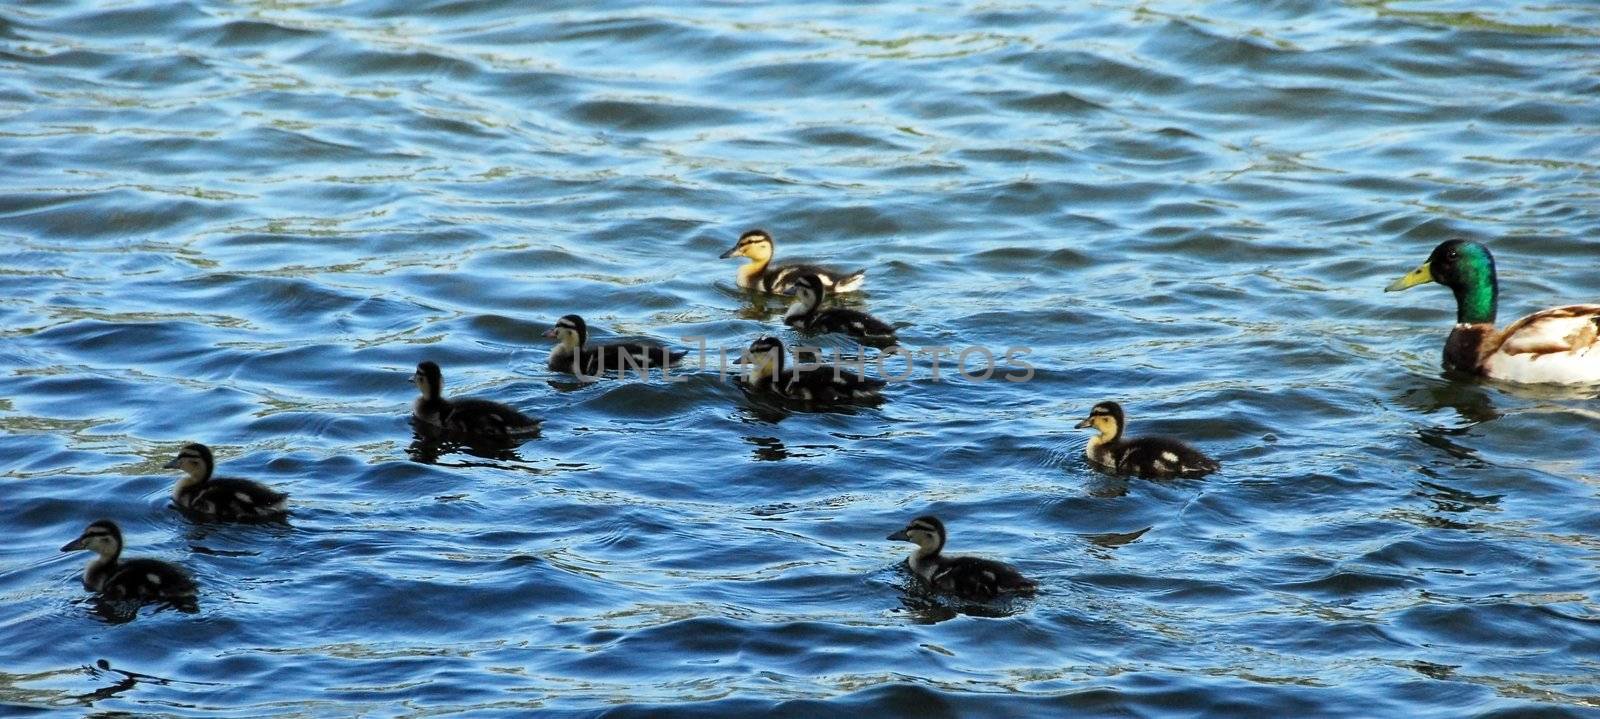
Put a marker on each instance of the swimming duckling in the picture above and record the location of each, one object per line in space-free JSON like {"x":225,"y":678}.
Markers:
{"x":1143,"y":456}
{"x":132,"y":579}
{"x":806,"y":315}
{"x":812,"y":384}
{"x":573,"y":353}
{"x":968,"y":577}
{"x":221,"y":497}
{"x":762,"y":276}
{"x":475,"y":417}
{"x":1558,"y":345}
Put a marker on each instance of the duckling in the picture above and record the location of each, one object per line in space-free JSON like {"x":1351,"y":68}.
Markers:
{"x":143,"y":579}
{"x":220,"y":497}
{"x":806,"y":315}
{"x":762,"y":276}
{"x":826,"y":384}
{"x":1143,"y":456}
{"x":967,"y":577}
{"x":476,"y":417}
{"x":1560,"y":345}
{"x":574,"y":354}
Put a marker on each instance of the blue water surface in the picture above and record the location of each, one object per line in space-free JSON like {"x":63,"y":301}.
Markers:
{"x":244,"y":223}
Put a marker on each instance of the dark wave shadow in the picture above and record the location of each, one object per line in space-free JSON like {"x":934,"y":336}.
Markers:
{"x":125,"y":680}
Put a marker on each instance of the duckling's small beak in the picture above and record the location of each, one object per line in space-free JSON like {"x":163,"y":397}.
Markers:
{"x":550,"y":333}
{"x":899,"y":536}
{"x":73,"y":545}
{"x":171,"y":465}
{"x":1419,"y":276}
{"x":1085,"y":423}
{"x":730,"y":252}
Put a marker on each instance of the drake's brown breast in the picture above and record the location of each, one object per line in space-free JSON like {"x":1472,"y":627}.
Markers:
{"x":1464,"y":349}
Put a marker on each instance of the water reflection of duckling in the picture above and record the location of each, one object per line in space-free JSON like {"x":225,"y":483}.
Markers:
{"x":967,"y":577}
{"x":768,"y":449}
{"x":141,"y":579}
{"x":223,"y":498}
{"x":1143,"y":456}
{"x":472,"y":417}
{"x":806,"y":315}
{"x":762,"y":276}
{"x":428,"y":447}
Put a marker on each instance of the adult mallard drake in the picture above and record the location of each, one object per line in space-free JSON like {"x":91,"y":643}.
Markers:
{"x":1143,"y":456}
{"x":806,"y":315}
{"x":114,"y":578}
{"x":574,"y":354}
{"x":967,"y":577}
{"x":761,"y":275}
{"x":824,"y":384}
{"x":220,"y":497}
{"x":469,"y":418}
{"x":1558,"y":345}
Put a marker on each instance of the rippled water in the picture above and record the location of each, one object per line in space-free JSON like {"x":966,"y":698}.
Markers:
{"x":244,"y":223}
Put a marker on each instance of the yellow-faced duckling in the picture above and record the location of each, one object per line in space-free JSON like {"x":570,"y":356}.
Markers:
{"x":806,"y":315}
{"x":1142,"y":456}
{"x":825,"y":384}
{"x":114,"y":578}
{"x":1558,"y":345}
{"x":761,"y":275}
{"x":223,"y":498}
{"x":967,"y":577}
{"x":478,"y":418}
{"x":574,"y":354}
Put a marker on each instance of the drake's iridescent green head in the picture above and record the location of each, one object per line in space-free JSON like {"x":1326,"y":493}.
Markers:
{"x":1467,"y":269}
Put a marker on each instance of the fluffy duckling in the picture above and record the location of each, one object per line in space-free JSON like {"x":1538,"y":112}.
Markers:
{"x":573,"y":353}
{"x":220,"y":497}
{"x":967,"y":577}
{"x":475,"y":417}
{"x":1558,"y":345}
{"x":825,"y":384}
{"x":142,"y":579}
{"x":1143,"y":456}
{"x":806,"y":315}
{"x":762,"y":276}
